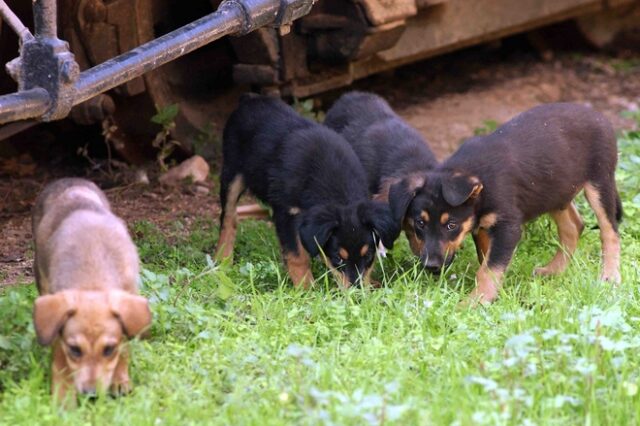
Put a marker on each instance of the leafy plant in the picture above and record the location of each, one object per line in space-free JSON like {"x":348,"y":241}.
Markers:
{"x":488,"y":126}
{"x":163,"y":141}
{"x":306,"y":109}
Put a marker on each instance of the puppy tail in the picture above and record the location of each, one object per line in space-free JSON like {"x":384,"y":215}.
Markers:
{"x":619,"y":212}
{"x":618,"y":208}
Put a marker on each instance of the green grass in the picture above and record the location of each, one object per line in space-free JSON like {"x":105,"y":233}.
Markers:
{"x":239,"y":345}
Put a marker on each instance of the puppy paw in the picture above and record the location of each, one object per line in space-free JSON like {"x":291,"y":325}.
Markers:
{"x":375,"y":284}
{"x":120,"y":388}
{"x":611,"y":277}
{"x":544,"y":271}
{"x":476,"y":299}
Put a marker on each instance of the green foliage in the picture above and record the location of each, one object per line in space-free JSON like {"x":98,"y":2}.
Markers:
{"x":306,"y":109}
{"x":163,"y":142}
{"x":488,"y":126}
{"x":237,"y":344}
{"x":626,"y":66}
{"x":166,"y":116}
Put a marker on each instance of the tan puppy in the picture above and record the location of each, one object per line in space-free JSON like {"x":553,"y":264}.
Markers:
{"x":86,"y":269}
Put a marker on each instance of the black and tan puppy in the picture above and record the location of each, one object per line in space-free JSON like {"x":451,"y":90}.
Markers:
{"x":536,"y":163}
{"x":389,"y":149}
{"x":314,"y":183}
{"x":86,"y":269}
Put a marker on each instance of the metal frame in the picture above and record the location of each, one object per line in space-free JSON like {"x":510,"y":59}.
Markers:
{"x":49,"y":79}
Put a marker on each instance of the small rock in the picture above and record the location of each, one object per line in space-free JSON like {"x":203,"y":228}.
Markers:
{"x":195,"y":168}
{"x":142,"y":177}
{"x":201,"y":189}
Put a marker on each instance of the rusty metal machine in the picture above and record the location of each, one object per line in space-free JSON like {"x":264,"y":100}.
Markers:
{"x":108,"y":65}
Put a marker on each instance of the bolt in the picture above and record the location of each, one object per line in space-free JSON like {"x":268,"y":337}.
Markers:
{"x":13,"y":69}
{"x":69,"y":70}
{"x":284,"y":29}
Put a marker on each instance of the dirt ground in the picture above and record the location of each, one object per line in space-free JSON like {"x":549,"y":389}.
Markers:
{"x":447,"y":99}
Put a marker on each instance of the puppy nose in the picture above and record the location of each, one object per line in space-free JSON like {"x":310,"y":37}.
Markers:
{"x":433,"y":269}
{"x":89,"y":391}
{"x":433,"y":265}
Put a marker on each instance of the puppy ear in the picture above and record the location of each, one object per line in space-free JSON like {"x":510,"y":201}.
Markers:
{"x":50,"y":313}
{"x":458,"y":188}
{"x":132,"y":311}
{"x":317,"y":226}
{"x":401,"y":194}
{"x":378,"y":217}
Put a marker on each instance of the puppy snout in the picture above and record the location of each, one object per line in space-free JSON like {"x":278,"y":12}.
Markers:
{"x":432,"y":264}
{"x":88,"y":391}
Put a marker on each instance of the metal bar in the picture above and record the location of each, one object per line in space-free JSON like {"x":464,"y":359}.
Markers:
{"x":22,"y":105}
{"x":64,"y":89}
{"x":45,"y":18}
{"x":12,"y":129}
{"x":228,"y":19}
{"x":13,"y":21}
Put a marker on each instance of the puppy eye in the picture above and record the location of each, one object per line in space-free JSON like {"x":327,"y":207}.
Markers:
{"x":338,"y":261}
{"x":108,"y":350}
{"x":451,"y":226}
{"x":75,"y":351}
{"x":420,"y":223}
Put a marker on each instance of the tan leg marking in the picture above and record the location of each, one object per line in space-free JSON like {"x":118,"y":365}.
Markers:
{"x":224,"y":248}
{"x":482,"y":241}
{"x":570,"y":227}
{"x":488,"y":283}
{"x":121,"y":384}
{"x":608,"y":236}
{"x":488,"y":280}
{"x":299,"y":267}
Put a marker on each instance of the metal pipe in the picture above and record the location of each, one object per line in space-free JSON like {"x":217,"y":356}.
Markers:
{"x":22,"y":105}
{"x":13,"y":21}
{"x":45,"y":18}
{"x":228,"y":19}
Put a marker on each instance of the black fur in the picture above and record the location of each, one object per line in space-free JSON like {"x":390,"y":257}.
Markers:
{"x":386,"y":146}
{"x":310,"y":177}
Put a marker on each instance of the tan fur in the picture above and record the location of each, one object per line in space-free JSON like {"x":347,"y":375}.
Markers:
{"x":444,"y":218}
{"x":570,"y":227}
{"x":364,"y":249}
{"x":228,"y":229}
{"x":424,"y":215}
{"x":344,"y":254}
{"x":415,"y":180}
{"x":415,"y":243}
{"x":452,"y":246}
{"x":482,"y":242}
{"x":488,"y":283}
{"x":608,"y":236}
{"x":87,"y":270}
{"x":477,"y":189}
{"x":299,"y":267}
{"x":340,"y":278}
{"x":488,"y":220}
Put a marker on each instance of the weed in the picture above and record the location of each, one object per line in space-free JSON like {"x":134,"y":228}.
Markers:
{"x":163,"y":141}
{"x":488,"y":126}
{"x":306,"y":109}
